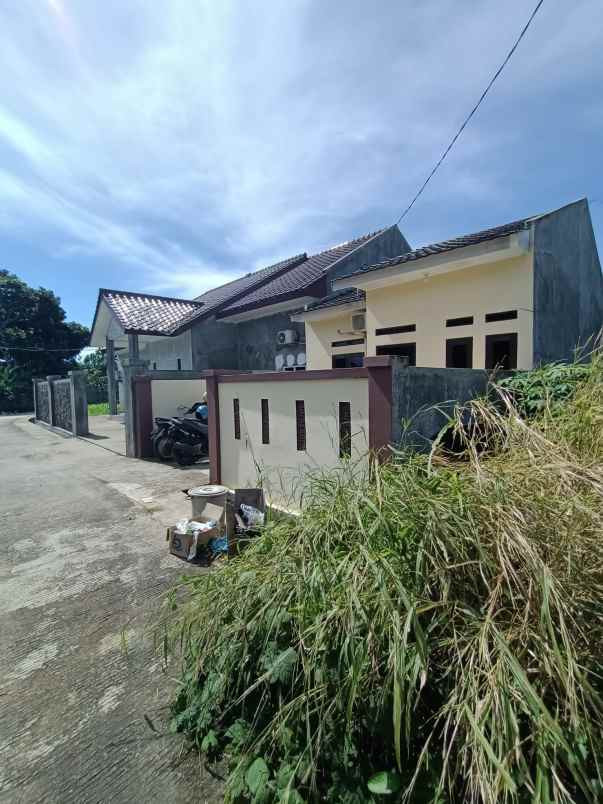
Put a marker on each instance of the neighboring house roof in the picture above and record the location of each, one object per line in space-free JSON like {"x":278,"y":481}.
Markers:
{"x":231,"y":291}
{"x":445,"y":245}
{"x":335,"y":299}
{"x":297,"y":280}
{"x":146,"y":314}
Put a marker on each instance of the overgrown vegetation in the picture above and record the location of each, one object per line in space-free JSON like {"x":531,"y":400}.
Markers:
{"x":548,"y":387}
{"x":433,"y":632}
{"x":98,"y":409}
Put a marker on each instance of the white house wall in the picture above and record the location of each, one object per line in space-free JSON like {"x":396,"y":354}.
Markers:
{"x":163,"y":353}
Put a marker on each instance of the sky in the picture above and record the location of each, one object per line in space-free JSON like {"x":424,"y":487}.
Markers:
{"x":169,"y":147}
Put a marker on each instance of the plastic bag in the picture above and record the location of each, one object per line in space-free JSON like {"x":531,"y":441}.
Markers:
{"x":252,"y":517}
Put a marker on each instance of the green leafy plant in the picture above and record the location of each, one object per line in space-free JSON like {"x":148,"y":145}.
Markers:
{"x":8,"y":382}
{"x":440,"y":618}
{"x":549,"y":386}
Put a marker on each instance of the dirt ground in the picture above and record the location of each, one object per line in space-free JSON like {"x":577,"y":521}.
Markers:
{"x":83,"y":565}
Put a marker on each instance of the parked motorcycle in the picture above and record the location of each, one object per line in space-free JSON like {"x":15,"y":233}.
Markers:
{"x":182,"y":438}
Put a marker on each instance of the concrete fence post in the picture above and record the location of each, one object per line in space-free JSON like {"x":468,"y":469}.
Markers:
{"x":143,"y":419}
{"x":212,"y":385}
{"x":34,"y":383}
{"x":79,"y":402}
{"x":111,"y":380}
{"x":132,"y":367}
{"x":50,"y":380}
{"x":380,"y":404}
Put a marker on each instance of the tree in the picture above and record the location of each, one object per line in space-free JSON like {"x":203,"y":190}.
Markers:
{"x":95,"y":365}
{"x":35,"y":338}
{"x":7,"y":382}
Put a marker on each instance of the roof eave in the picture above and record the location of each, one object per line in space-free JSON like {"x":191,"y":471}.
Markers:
{"x":314,"y":290}
{"x":332,"y":311}
{"x":506,"y":246}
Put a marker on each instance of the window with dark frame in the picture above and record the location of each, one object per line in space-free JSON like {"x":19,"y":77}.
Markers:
{"x":179,"y":364}
{"x":349,"y":342}
{"x":300,"y":424}
{"x":349,"y":360}
{"x":265,"y":422}
{"x":396,"y":330}
{"x":501,"y":351}
{"x":464,"y":321}
{"x":345,"y":430}
{"x":404,"y":350}
{"x":505,"y":315}
{"x":459,"y":353}
{"x":237,"y":419}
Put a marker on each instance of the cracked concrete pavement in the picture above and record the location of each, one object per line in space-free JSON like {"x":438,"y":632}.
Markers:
{"x":83,"y":564}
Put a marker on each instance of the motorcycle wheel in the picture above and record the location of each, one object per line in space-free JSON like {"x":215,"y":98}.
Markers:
{"x":163,"y":448}
{"x":185,"y":460}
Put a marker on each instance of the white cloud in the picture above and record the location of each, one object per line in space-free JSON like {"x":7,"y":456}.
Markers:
{"x":185,"y":140}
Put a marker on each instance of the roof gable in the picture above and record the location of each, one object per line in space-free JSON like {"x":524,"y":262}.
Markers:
{"x":147,"y":314}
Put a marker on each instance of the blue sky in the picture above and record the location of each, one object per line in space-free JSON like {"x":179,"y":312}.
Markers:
{"x":168,"y":147}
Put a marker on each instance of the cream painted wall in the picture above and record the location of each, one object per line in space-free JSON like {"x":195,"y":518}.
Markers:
{"x":167,"y":395}
{"x":282,"y":467}
{"x":319,"y":336}
{"x":505,"y":285}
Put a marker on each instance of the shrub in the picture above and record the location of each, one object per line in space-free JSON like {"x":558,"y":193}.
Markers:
{"x":547,"y":387}
{"x":434,"y":630}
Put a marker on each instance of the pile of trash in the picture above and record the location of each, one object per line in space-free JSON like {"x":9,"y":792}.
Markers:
{"x":199,"y":540}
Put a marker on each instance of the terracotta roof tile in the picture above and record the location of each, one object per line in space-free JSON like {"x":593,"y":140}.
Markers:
{"x":144,"y":313}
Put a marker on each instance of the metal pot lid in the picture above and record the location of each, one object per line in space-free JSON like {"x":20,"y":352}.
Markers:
{"x":207,"y":491}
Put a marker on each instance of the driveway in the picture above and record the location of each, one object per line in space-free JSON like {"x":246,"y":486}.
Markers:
{"x":83,"y":564}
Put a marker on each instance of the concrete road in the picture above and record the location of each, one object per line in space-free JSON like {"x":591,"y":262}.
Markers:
{"x":83,"y":563}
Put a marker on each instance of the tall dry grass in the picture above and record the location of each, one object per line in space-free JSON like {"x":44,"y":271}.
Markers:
{"x":442,"y":619}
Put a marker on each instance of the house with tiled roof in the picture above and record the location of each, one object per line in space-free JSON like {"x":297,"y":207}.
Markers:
{"x":243,"y":324}
{"x":515,"y":295}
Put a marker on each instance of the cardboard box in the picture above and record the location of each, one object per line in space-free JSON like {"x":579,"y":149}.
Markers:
{"x":180,"y":543}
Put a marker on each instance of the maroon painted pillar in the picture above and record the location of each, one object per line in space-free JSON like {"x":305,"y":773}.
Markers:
{"x":143,"y":416}
{"x":212,"y":381}
{"x":380,"y":405}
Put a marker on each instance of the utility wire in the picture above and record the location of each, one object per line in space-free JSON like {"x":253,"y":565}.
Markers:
{"x":473,"y":111}
{"x":39,"y":349}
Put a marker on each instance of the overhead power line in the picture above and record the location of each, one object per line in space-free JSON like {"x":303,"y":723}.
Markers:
{"x":473,"y":111}
{"x":40,"y":349}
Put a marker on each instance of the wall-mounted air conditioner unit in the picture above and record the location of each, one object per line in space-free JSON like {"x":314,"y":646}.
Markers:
{"x":359,"y":322}
{"x":287,"y":336}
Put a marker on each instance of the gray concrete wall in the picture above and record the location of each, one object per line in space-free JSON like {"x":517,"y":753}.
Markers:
{"x":568,"y":285}
{"x":214,"y":345}
{"x":388,"y":244}
{"x":256,"y":340}
{"x":415,"y":392}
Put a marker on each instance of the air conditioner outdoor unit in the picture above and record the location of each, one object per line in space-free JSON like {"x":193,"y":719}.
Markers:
{"x":287,"y":336}
{"x":358,"y":322}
